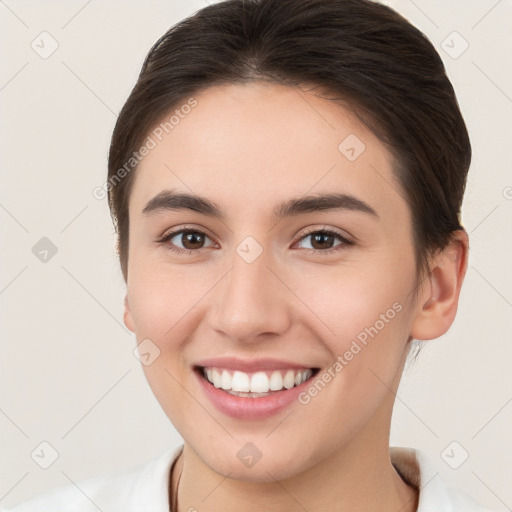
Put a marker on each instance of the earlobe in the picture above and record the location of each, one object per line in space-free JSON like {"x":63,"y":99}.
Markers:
{"x":127,"y":317}
{"x":437,"y":305}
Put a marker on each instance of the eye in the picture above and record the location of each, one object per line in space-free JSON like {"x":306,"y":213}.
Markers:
{"x":322,"y":241}
{"x":191,"y":240}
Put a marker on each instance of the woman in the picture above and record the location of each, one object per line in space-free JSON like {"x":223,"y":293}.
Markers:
{"x":286,"y":180}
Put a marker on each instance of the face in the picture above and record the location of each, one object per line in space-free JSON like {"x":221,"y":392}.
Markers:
{"x":263,"y":284}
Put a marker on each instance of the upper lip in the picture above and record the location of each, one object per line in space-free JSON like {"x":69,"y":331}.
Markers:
{"x":250,"y":365}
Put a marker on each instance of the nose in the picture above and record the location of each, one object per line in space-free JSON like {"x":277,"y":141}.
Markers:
{"x":251,"y":303}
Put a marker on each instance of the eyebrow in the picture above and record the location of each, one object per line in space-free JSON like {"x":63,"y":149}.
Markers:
{"x":169,"y":200}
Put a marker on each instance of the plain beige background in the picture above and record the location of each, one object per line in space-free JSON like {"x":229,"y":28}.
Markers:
{"x":68,"y":374}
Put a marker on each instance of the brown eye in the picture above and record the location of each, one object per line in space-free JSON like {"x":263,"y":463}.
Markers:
{"x":192,"y":240}
{"x":323,"y":241}
{"x":185,"y":240}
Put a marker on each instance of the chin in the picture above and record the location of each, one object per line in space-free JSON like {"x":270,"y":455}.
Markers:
{"x":258,"y":461}
{"x":263,"y":471}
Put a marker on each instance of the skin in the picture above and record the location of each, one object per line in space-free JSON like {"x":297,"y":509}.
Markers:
{"x":249,"y":148}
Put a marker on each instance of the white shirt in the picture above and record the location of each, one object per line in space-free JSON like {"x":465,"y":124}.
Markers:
{"x":145,"y":488}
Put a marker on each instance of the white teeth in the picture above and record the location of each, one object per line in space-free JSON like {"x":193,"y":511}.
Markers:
{"x":226,"y":380}
{"x":257,"y":384}
{"x":306,"y":375}
{"x":215,"y":378}
{"x":289,"y":379}
{"x":260,"y":383}
{"x":276,"y":381}
{"x":240,"y":382}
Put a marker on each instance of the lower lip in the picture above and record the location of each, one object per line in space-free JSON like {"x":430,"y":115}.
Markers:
{"x":248,"y":407}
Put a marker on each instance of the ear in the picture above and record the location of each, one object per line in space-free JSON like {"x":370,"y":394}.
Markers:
{"x":439,"y":298}
{"x":128,"y":319}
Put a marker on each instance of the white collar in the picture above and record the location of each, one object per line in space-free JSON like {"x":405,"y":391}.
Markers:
{"x":144,"y":488}
{"x":435,"y":494}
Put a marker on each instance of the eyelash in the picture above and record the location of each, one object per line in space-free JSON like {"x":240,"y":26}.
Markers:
{"x":341,"y":246}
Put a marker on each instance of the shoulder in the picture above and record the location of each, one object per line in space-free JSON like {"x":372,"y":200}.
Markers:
{"x":143,"y":488}
{"x":435,"y":495}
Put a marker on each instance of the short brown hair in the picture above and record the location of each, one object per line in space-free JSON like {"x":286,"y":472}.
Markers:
{"x":360,"y":52}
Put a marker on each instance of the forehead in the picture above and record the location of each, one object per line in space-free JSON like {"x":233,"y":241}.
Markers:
{"x":258,"y":143}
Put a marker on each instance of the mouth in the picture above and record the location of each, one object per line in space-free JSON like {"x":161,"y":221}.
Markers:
{"x":252,"y":389}
{"x":256,"y":384}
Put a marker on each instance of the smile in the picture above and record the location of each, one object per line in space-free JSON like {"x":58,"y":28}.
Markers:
{"x":252,"y":389}
{"x":255,"y":384}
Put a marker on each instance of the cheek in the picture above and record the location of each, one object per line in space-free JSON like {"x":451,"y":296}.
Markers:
{"x":164,"y":304}
{"x":163,"y":299}
{"x":357,"y":305}
{"x":365,"y":321}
